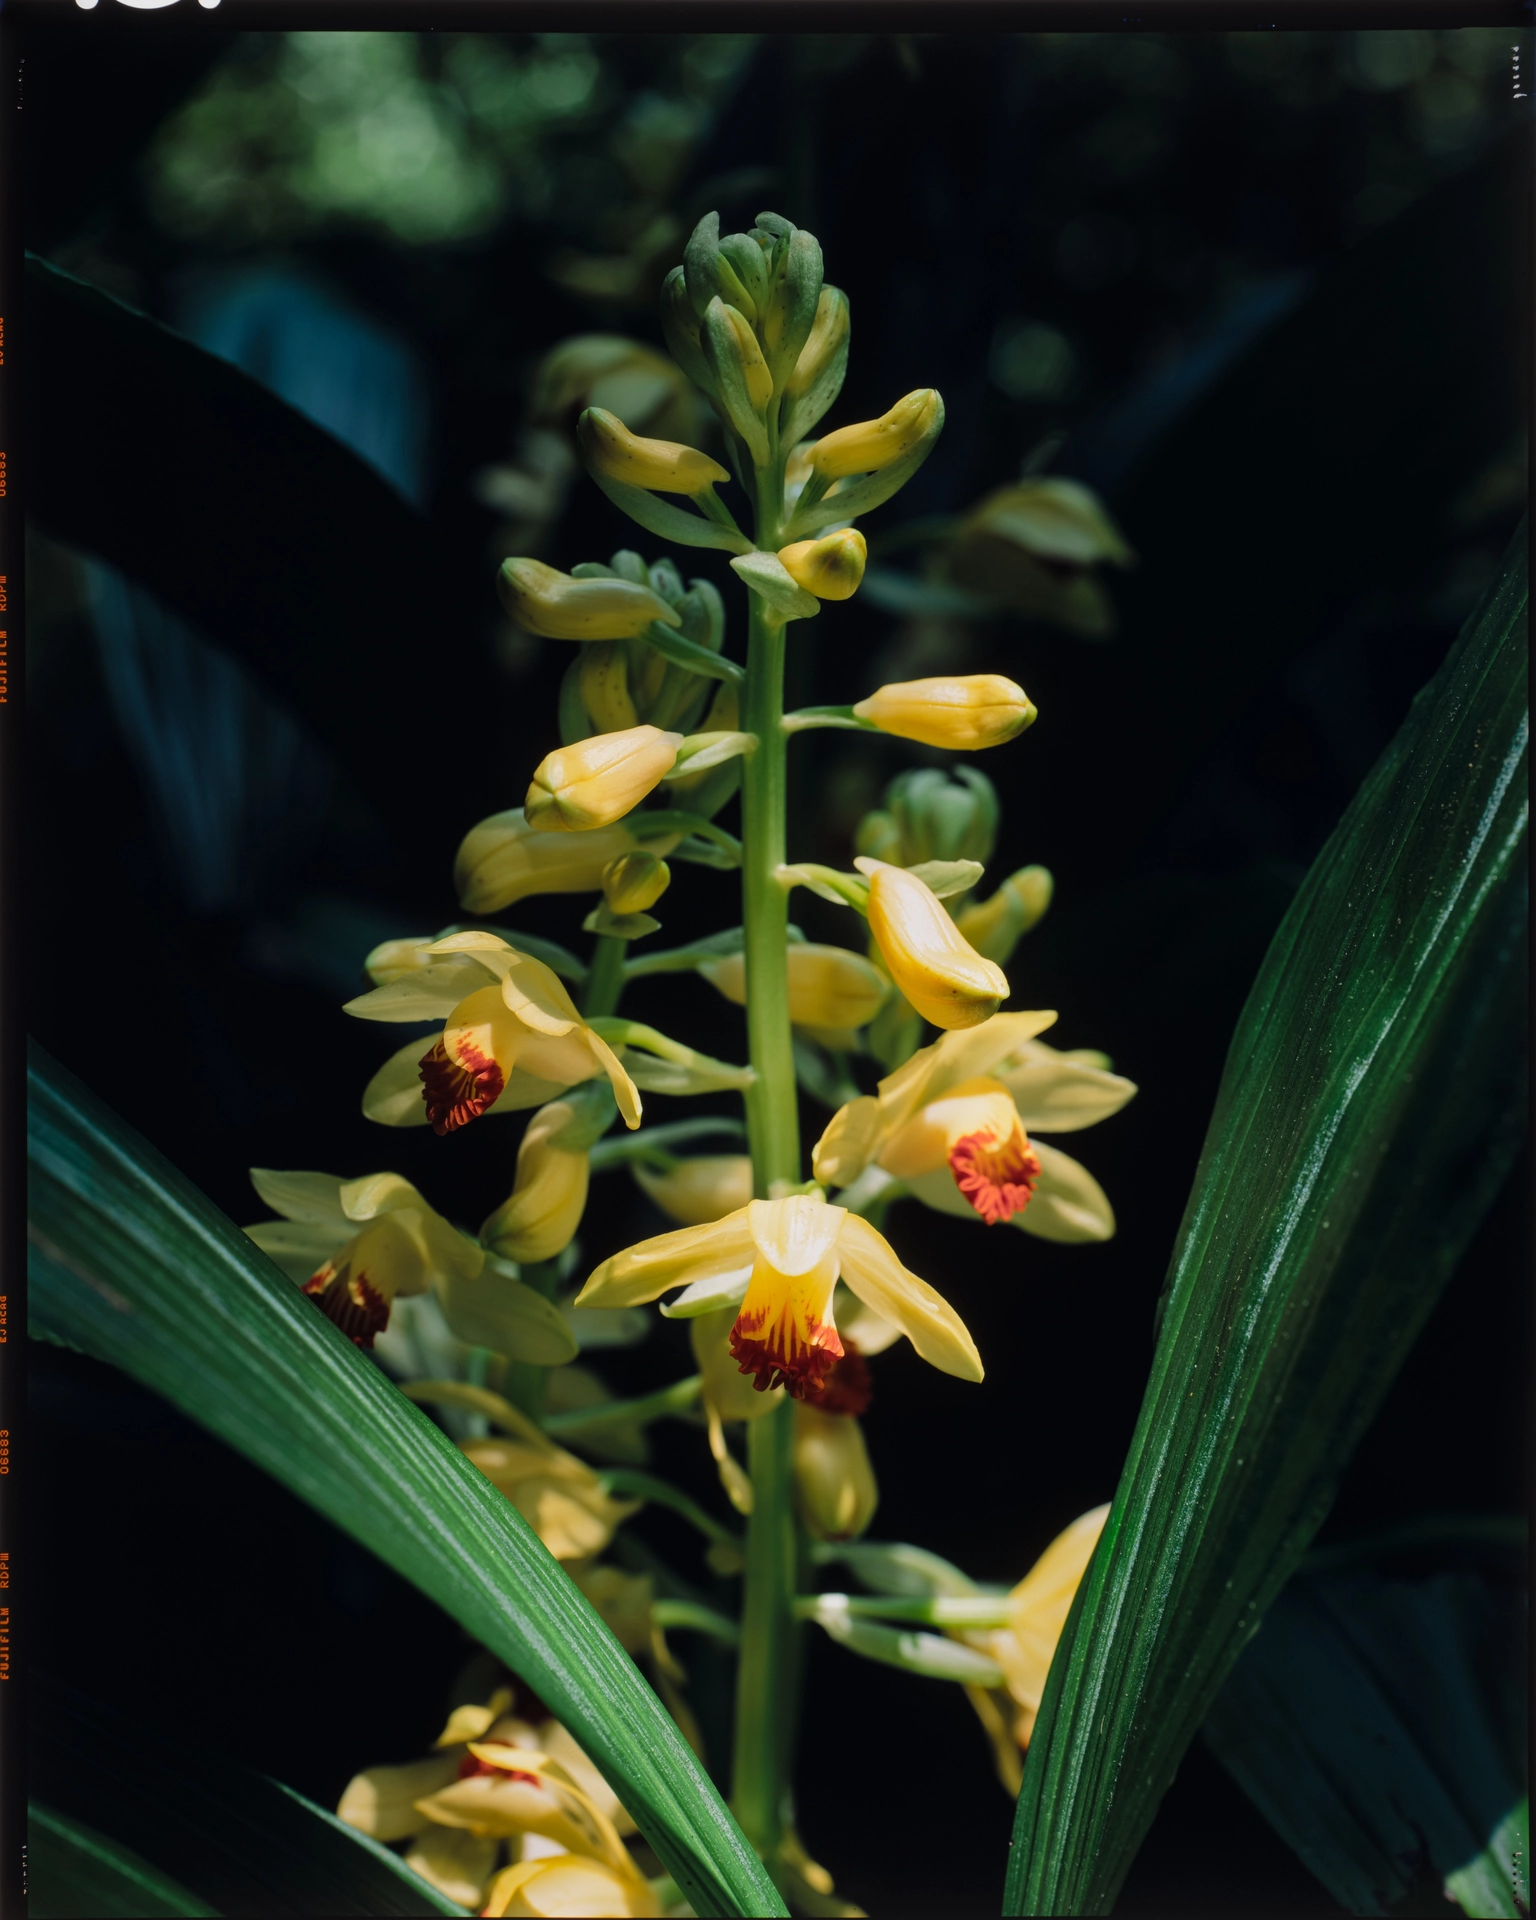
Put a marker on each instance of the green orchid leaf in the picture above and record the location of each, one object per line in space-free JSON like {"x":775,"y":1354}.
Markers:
{"x":1372,"y":1103}
{"x":131,"y":1264}
{"x":235,"y":1841}
{"x":1377,"y":1723}
{"x":73,"y":1870}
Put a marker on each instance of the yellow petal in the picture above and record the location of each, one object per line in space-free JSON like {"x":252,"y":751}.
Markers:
{"x":392,"y":1097}
{"x":457,"y":1863}
{"x":569,"y":1888}
{"x":794,"y":1235}
{"x":504,"y":860}
{"x":642,"y":1273}
{"x":311,"y":1197}
{"x":850,"y":1142}
{"x":830,"y":567}
{"x":553,"y":604}
{"x":870,"y":445}
{"x":1069,"y":1204}
{"x":662,"y":466}
{"x":471,"y":1721}
{"x":871,"y":1270}
{"x":922,"y":1144}
{"x":382,"y":1801}
{"x":1039,"y":1605}
{"x":540,"y":1217}
{"x":536,"y":994}
{"x":953,"y":1059}
{"x":1061,"y":1095}
{"x":624,"y":1090}
{"x":428,"y":993}
{"x":299,"y":1248}
{"x":948,"y":983}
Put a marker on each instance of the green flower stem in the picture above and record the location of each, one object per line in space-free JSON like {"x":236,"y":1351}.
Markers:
{"x":692,"y":1618}
{"x":605,"y":979}
{"x":623,"y":1481}
{"x":765,"y":1674}
{"x":582,"y":1422}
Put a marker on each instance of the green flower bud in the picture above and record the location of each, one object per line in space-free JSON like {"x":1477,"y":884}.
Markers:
{"x":789,"y":315}
{"x":709,"y":274}
{"x":635,"y":882}
{"x":741,"y":377}
{"x":680,"y":329}
{"x":939,"y":818}
{"x":816,"y":378}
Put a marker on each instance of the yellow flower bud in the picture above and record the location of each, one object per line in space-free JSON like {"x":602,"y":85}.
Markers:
{"x":834,"y":1480}
{"x":830,"y":567}
{"x":994,"y":927}
{"x":829,"y":331}
{"x":944,"y":978}
{"x":635,"y":882}
{"x":828,"y":986}
{"x":505,"y":859}
{"x":661,"y":465}
{"x":540,"y":1217}
{"x":971,"y":711}
{"x":551,"y":603}
{"x":596,"y":782}
{"x":698,"y":1191}
{"x":603,"y":678}
{"x":872,"y":444}
{"x":754,"y":368}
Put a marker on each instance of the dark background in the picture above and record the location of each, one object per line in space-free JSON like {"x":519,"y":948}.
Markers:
{"x":1268,"y":290}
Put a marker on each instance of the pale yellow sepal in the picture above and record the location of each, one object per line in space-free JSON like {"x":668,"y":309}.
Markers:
{"x":595,"y":782}
{"x":457,"y":1863}
{"x":569,"y":1888}
{"x":553,"y":604}
{"x":967,"y":712}
{"x":662,"y":466}
{"x":1059,"y":1092}
{"x":559,"y":1496}
{"x":549,"y":1194}
{"x":830,"y":567}
{"x":504,"y":859}
{"x":828,"y":986}
{"x":945,"y":979}
{"x":996,"y":925}
{"x":382,"y":1801}
{"x":872,"y":444}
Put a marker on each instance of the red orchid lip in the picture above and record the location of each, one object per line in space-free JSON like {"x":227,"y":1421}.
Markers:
{"x":999,"y":1181}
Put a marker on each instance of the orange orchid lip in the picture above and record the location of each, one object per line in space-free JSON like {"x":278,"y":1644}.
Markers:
{"x":458,"y":1091}
{"x":998,"y":1180}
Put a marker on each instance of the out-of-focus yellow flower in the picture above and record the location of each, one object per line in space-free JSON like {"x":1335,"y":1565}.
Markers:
{"x":635,"y":882}
{"x":956,"y":1123}
{"x":506,"y":859}
{"x":781,"y":1260}
{"x":495,"y":1778}
{"x":941,"y":974}
{"x":565,"y":1886}
{"x":694,"y":1192}
{"x":559,"y":1496}
{"x":969,"y":712}
{"x":602,"y":675}
{"x":596,"y":782}
{"x":663,"y":466}
{"x":357,"y":1245}
{"x":549,"y":1194}
{"x":1037,"y":1612}
{"x":830,"y":567}
{"x":610,"y":370}
{"x":996,"y":925}
{"x":553,"y":604}
{"x":869,"y":445}
{"x":525,"y":1023}
{"x":828,"y":986}
{"x":834,"y":1480}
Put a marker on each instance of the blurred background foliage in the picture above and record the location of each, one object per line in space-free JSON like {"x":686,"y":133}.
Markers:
{"x":1263,"y":291}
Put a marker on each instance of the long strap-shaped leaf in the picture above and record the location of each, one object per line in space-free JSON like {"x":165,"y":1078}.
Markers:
{"x":131,"y":1264}
{"x":1371,"y":1106}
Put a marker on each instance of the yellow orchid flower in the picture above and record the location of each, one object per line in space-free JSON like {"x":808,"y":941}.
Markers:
{"x":595,"y":782}
{"x":401,"y":1803}
{"x":566,"y":1885}
{"x":527,"y":1023}
{"x":1037,"y":1612}
{"x":955,"y":1125}
{"x":828,"y":986}
{"x":966,"y":711}
{"x":357,"y":1245}
{"x":781,"y":1259}
{"x":830,"y":567}
{"x":560,"y":607}
{"x":945,"y":979}
{"x":504,"y":859}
